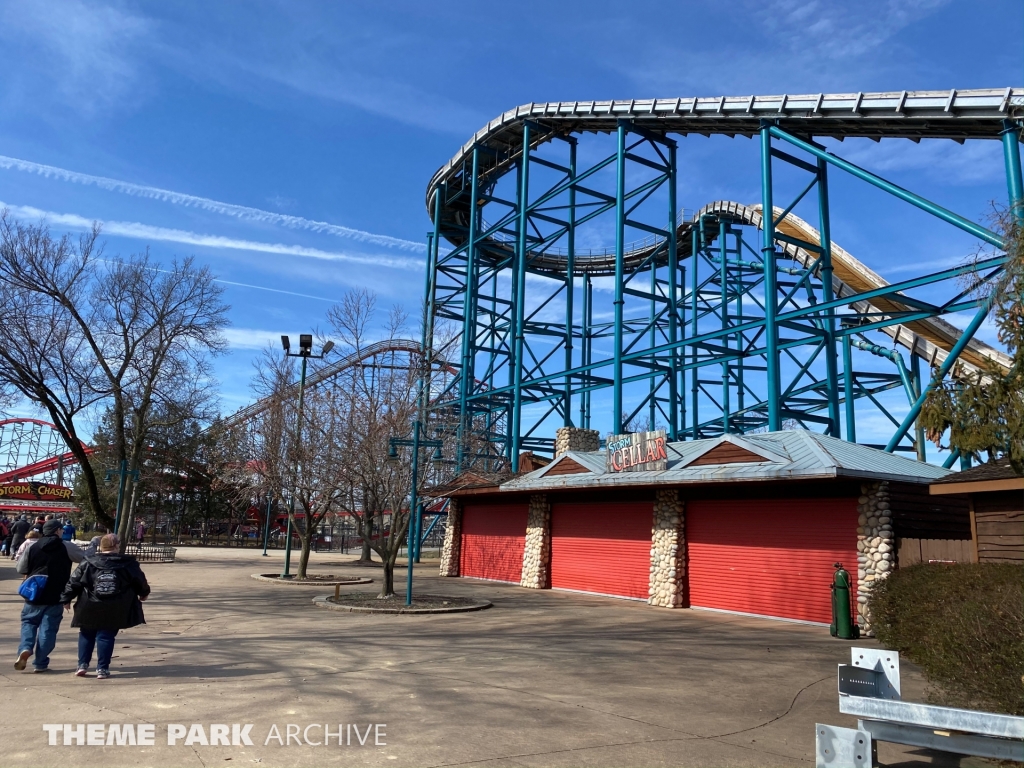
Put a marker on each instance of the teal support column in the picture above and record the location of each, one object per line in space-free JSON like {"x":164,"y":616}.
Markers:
{"x":673,"y":291}
{"x":828,"y":295}
{"x":723,"y":279}
{"x":519,"y":282}
{"x":570,"y":288}
{"x":851,"y":417}
{"x":1011,"y":156}
{"x":469,"y":319}
{"x":694,"y":382}
{"x":652,"y":341}
{"x":586,"y":347}
{"x":620,"y":234}
{"x":915,"y":377}
{"x":771,"y":329}
{"x":739,"y":334}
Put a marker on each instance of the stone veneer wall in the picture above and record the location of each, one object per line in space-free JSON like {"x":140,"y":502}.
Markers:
{"x":452,"y":540}
{"x":668,"y":552}
{"x":876,"y":546}
{"x":537,"y":551}
{"x":573,"y":439}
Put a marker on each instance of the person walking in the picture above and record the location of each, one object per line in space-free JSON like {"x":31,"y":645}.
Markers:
{"x":5,"y":535}
{"x":41,"y":616}
{"x":68,"y":531}
{"x":18,"y":532}
{"x":109,"y":588}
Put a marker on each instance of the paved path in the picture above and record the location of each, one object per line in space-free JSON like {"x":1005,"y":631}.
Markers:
{"x":542,"y":679}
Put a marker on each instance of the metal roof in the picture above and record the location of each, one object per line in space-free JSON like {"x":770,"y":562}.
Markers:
{"x":799,"y":455}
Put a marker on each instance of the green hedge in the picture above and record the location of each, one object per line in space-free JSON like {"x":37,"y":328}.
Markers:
{"x":963,"y":625}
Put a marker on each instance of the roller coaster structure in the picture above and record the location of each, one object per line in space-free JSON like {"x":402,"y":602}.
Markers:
{"x":720,"y":321}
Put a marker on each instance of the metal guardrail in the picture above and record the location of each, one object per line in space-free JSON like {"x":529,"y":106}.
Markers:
{"x":870,"y":689}
{"x":151,"y":553}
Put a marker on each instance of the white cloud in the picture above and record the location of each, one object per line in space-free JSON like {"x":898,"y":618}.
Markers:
{"x":251,"y":338}
{"x":83,"y":52}
{"x":975,"y":162}
{"x":139,"y":231}
{"x":242,"y":212}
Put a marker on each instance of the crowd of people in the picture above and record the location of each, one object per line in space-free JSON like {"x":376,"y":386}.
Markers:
{"x":107,"y":589}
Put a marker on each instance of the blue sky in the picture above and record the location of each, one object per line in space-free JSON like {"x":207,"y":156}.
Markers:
{"x":319,"y":124}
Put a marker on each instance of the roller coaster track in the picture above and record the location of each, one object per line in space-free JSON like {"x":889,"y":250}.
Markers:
{"x":327,"y":373}
{"x":931,"y":338}
{"x":913,"y":115}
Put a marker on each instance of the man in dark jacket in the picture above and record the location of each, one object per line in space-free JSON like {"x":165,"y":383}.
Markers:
{"x":40,"y":618}
{"x":18,"y":531}
{"x":109,"y":587}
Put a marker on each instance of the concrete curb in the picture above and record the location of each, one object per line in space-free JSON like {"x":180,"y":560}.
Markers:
{"x":274,"y":579}
{"x":326,"y":601}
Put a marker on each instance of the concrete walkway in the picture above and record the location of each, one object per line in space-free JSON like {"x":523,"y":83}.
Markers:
{"x":542,"y":679}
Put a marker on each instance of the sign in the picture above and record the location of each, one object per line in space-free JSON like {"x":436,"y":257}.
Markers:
{"x":637,"y":452}
{"x":34,"y":492}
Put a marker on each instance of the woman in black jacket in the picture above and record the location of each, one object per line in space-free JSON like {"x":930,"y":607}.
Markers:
{"x":109,"y":587}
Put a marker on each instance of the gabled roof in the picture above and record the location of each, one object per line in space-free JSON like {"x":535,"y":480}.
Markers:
{"x":793,"y":454}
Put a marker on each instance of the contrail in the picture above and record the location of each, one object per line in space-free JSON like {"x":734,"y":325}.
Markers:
{"x":139,"y":231}
{"x":214,"y":206}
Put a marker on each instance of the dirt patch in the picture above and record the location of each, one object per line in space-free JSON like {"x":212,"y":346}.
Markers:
{"x":365,"y":602}
{"x":315,"y":579}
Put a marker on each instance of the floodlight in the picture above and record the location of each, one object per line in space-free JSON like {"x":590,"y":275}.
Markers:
{"x":328,"y":346}
{"x":285,"y":343}
{"x":305,"y":343}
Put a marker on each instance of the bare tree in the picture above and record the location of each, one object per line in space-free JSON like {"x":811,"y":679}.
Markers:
{"x":379,"y":401}
{"x":78,"y":330}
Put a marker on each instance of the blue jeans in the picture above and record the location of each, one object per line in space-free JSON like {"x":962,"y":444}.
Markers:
{"x":102,"y":640}
{"x":39,"y":625}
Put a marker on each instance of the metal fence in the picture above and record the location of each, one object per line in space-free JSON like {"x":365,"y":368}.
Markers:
{"x":151,"y":553}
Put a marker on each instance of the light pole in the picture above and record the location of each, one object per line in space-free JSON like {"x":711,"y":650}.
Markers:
{"x":124,"y":473}
{"x":305,"y":352}
{"x":416,"y":443}
{"x":266,"y":524}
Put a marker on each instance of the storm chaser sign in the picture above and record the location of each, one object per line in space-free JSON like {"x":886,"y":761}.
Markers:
{"x":638,"y":452}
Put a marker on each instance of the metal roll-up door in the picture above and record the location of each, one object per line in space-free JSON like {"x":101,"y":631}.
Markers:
{"x":493,"y":537}
{"x":770,"y":558}
{"x":602,"y":548}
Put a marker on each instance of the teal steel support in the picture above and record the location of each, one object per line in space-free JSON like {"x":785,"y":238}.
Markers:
{"x":828,"y":294}
{"x":588,"y":341}
{"x":917,"y":201}
{"x":570,"y":288}
{"x":771,"y":329}
{"x":430,"y":528}
{"x":951,"y":459}
{"x":519,"y":281}
{"x":673,"y":293}
{"x":694,"y":382}
{"x":620,"y":235}
{"x":1011,"y":156}
{"x":940,"y":374}
{"x":739,"y":334}
{"x":915,"y":374}
{"x":848,"y":402}
{"x":469,"y":321}
{"x":723,"y":278}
